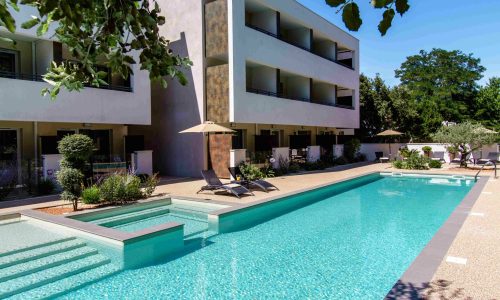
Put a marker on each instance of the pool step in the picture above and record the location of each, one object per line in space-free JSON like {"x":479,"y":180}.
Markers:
{"x":50,"y":275}
{"x":34,"y":252}
{"x":65,"y":285}
{"x":46,"y":262}
{"x":11,"y":221}
{"x":189,"y":216}
{"x":131,"y":217}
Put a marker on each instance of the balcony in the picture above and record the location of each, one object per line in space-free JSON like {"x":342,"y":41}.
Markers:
{"x":31,"y":57}
{"x":290,"y":31}
{"x":264,"y":80}
{"x":35,"y":77}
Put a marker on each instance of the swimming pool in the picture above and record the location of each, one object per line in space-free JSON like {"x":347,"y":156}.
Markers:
{"x":345,"y":244}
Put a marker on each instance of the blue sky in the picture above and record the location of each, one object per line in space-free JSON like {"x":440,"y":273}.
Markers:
{"x":472,"y":26}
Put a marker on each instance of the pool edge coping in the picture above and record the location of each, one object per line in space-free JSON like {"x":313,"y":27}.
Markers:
{"x":244,"y":206}
{"x":104,"y":232}
{"x":417,"y":277}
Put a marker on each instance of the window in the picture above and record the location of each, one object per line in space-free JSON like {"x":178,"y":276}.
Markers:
{"x":8,"y":61}
{"x":239,"y":138}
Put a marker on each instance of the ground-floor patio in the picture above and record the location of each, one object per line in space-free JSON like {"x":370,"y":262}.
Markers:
{"x":470,"y":267}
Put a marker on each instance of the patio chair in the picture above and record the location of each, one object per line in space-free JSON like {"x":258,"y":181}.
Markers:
{"x":259,"y":183}
{"x":379,"y":155}
{"x":214,"y":184}
{"x":438,"y":155}
{"x":492,"y":156}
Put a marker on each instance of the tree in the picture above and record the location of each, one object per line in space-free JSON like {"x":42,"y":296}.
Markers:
{"x":443,"y":85}
{"x":352,"y":18}
{"x":486,"y":106}
{"x":382,"y":107}
{"x":97,"y":30}
{"x":465,"y":137}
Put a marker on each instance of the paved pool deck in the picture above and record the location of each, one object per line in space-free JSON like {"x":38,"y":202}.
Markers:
{"x":478,"y":240}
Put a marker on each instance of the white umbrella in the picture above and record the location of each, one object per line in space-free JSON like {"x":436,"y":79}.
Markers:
{"x":390,"y":132}
{"x":208,"y":127}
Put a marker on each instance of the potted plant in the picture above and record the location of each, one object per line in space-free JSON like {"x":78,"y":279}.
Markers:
{"x":452,"y":152}
{"x":427,"y":150}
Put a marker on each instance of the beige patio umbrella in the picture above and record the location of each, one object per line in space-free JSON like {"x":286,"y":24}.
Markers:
{"x":208,"y":127}
{"x":389,"y":132}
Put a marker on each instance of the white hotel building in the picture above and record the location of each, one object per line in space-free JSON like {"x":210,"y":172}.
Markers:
{"x":272,"y":70}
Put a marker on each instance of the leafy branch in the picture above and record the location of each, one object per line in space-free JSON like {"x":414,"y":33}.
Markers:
{"x":112,"y":33}
{"x":352,"y":18}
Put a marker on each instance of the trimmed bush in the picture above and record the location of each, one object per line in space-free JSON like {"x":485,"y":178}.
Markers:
{"x":70,"y":180}
{"x":91,"y":195}
{"x":435,"y":164}
{"x":76,"y":150}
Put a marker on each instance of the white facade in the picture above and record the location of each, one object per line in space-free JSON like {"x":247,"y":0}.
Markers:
{"x":249,"y":45}
{"x":283,"y":70}
{"x":21,"y":100}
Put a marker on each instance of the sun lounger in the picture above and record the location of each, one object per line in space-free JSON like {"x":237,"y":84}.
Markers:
{"x":492,"y":156}
{"x":259,"y":183}
{"x":381,"y":158}
{"x":214,"y":184}
{"x":438,"y":155}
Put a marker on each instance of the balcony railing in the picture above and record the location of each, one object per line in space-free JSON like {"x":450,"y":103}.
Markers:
{"x":34,"y":77}
{"x":283,"y":96}
{"x":277,"y":36}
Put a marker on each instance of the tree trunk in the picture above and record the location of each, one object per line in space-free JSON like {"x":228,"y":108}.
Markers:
{"x":463,"y":158}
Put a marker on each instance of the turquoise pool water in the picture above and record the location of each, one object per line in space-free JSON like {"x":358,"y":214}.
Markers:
{"x":349,"y":245}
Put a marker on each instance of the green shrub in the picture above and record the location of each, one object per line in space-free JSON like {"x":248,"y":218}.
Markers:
{"x":360,"y":157}
{"x":121,"y":188}
{"x":341,"y":160}
{"x":150,"y":184}
{"x":435,"y":164}
{"x":417,"y":162}
{"x":45,"y":186}
{"x":91,"y":195}
{"x":311,"y":166}
{"x":283,"y":166}
{"x":70,"y":180}
{"x":267,"y":171}
{"x":427,"y":148}
{"x":351,"y":148}
{"x":398,"y":164}
{"x":251,"y":172}
{"x":328,"y":160}
{"x":294,"y":168}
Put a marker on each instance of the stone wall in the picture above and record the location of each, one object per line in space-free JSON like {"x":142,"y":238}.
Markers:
{"x":216,"y":28}
{"x":220,"y":148}
{"x":218,"y":93}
